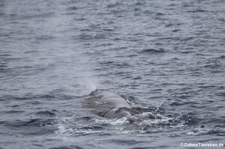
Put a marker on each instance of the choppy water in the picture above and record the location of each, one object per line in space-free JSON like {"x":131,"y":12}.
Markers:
{"x":167,"y":55}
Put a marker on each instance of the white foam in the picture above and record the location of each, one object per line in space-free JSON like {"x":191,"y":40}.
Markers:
{"x":120,"y":121}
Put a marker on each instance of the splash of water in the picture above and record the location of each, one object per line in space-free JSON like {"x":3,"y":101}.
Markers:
{"x":86,"y":77}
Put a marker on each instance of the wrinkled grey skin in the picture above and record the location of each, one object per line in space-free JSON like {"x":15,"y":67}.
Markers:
{"x":109,"y":105}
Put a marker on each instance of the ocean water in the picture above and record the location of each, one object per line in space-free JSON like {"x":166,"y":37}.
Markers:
{"x":167,"y":56}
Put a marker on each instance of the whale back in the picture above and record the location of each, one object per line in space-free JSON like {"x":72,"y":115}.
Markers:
{"x":107,"y":104}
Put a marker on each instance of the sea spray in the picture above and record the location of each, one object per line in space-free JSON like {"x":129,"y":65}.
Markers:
{"x":86,"y":77}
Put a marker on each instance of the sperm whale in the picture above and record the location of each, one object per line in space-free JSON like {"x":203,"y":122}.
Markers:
{"x":109,"y":105}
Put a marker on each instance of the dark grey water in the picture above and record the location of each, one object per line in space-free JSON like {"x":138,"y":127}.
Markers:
{"x":165,"y":54}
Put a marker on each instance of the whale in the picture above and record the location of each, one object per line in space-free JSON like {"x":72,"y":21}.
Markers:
{"x":108,"y":104}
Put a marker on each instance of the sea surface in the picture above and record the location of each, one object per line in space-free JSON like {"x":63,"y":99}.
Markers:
{"x":166,"y":56}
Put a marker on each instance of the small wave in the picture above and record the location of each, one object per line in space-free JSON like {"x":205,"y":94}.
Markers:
{"x":152,"y":51}
{"x":207,"y":131}
{"x":34,"y":16}
{"x":67,"y":147}
{"x":217,"y":132}
{"x":159,"y":14}
{"x":4,"y":67}
{"x":113,"y":5}
{"x":30,"y":123}
{"x":14,"y":111}
{"x":46,"y":113}
{"x":125,"y":141}
{"x":44,"y":37}
{"x":12,"y":97}
{"x":72,"y":8}
{"x":31,"y":127}
{"x":187,"y":119}
{"x":213,"y":65}
{"x":222,"y":94}
{"x":197,"y":11}
{"x":221,"y":57}
{"x":31,"y":97}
